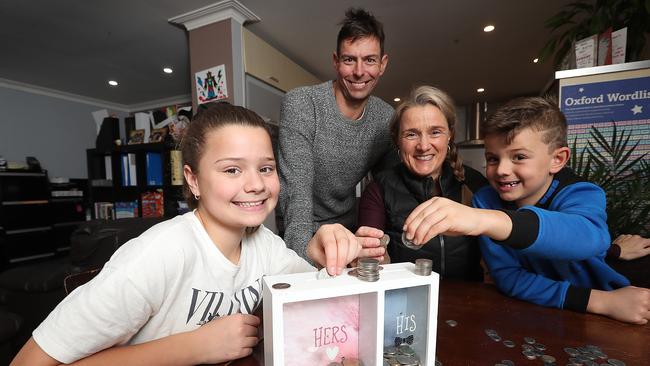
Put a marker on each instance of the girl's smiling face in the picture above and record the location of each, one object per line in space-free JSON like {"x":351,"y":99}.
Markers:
{"x":237,"y":179}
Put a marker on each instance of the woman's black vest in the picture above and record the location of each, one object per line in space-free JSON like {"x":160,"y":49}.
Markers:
{"x":453,"y":257}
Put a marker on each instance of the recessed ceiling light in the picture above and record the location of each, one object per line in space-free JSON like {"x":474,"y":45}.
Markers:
{"x":535,"y":60}
{"x":112,"y":83}
{"x":488,"y":28}
{"x":397,"y":99}
{"x":480,"y":90}
{"x":168,"y":70}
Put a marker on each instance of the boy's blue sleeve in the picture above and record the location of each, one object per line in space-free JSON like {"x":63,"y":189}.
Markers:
{"x":574,"y":227}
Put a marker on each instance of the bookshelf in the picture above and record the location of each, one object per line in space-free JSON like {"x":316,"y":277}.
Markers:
{"x":122,"y":178}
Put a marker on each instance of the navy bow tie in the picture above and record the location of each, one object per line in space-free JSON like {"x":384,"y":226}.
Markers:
{"x":399,"y":341}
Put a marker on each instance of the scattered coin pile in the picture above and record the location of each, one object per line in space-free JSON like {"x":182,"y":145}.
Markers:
{"x":368,"y":270}
{"x":401,"y":355}
{"x":588,"y":355}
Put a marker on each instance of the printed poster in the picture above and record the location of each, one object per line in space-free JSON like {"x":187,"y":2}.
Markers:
{"x":624,"y":103}
{"x":211,"y":84}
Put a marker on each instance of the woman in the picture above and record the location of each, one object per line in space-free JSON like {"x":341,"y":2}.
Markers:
{"x":423,"y":130}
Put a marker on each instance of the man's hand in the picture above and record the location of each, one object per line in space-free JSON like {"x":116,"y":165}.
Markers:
{"x":632,"y":246}
{"x":333,"y":246}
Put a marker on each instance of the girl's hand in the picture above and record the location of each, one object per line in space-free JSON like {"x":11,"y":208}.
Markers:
{"x":226,"y":338}
{"x":333,"y":246}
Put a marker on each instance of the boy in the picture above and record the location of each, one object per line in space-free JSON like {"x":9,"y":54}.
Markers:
{"x":543,"y":230}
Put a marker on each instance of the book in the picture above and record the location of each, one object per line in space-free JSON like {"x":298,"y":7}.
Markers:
{"x":152,"y":204}
{"x":104,"y":210}
{"x":124,"y":168}
{"x":126,"y":209}
{"x":176,"y":162}
{"x":154,"y":169}
{"x":586,"y":51}
{"x":133,"y":171}
{"x":108,"y":168}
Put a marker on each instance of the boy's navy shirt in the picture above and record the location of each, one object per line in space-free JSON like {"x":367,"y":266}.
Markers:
{"x":556,"y":252}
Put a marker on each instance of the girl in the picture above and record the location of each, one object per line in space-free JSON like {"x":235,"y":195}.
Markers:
{"x":183,"y":292}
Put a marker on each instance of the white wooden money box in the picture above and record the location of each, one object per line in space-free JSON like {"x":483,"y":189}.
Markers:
{"x":342,"y":320}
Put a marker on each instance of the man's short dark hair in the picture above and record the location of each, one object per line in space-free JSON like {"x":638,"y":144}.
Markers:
{"x":539,"y":113}
{"x":357,"y":24}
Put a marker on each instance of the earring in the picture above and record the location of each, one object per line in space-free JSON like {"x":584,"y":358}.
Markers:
{"x":197,"y":197}
{"x":448,"y":148}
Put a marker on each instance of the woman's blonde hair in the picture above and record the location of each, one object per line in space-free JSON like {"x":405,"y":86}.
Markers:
{"x":429,"y":95}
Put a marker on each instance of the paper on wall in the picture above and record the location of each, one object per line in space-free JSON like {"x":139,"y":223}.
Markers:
{"x":143,"y":122}
{"x":98,"y":117}
{"x":619,"y":41}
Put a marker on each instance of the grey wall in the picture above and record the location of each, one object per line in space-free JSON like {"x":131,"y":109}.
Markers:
{"x":55,"y":131}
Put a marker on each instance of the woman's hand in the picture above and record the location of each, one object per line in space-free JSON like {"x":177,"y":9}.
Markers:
{"x":333,"y":246}
{"x":370,"y":240}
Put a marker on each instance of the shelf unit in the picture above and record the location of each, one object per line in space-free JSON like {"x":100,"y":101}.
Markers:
{"x":109,"y":183}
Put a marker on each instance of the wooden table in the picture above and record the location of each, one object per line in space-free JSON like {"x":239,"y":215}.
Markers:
{"x":477,"y":307}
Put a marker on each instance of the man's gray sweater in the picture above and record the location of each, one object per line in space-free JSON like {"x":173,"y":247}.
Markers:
{"x":322,"y":157}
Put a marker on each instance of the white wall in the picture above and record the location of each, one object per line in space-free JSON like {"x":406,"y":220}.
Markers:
{"x":55,"y":130}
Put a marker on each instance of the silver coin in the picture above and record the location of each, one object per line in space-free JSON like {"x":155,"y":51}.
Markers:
{"x":409,"y":244}
{"x":529,"y":355}
{"x":509,"y":343}
{"x":583,"y":349}
{"x":592,"y":348}
{"x":451,"y":323}
{"x":548,"y":359}
{"x":600,"y":355}
{"x":529,"y":340}
{"x":281,"y":285}
{"x":507,"y":362}
{"x":490,"y":332}
{"x":495,"y":338}
{"x":406,"y":360}
{"x":384,"y":240}
{"x":406,"y":350}
{"x":539,"y":347}
{"x":571,"y":351}
{"x":615,"y":362}
{"x":390,"y":350}
{"x":527,"y":347}
{"x":589,"y":363}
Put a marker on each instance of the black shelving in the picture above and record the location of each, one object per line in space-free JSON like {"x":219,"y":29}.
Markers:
{"x":101,"y":189}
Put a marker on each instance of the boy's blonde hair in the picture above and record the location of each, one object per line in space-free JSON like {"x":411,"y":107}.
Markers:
{"x":539,"y":113}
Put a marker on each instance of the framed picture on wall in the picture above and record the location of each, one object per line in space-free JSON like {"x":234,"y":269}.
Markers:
{"x":158,"y":134}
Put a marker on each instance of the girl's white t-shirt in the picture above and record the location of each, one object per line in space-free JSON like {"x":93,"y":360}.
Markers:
{"x":170,"y":279}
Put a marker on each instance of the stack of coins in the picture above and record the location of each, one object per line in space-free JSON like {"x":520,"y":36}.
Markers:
{"x":368,"y":270}
{"x":423,"y":266}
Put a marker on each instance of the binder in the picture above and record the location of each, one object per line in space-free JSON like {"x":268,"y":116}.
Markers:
{"x":108,"y":168}
{"x":176,"y":162}
{"x":154,"y":169}
{"x":133,"y":171}
{"x":124,"y":165}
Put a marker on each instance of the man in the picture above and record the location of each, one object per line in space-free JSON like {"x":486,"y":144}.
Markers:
{"x":333,"y":134}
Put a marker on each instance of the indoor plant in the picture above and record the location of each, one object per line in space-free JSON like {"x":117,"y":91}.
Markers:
{"x":582,"y":19}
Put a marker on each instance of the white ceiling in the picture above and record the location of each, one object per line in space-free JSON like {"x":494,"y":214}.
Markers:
{"x":75,"y":46}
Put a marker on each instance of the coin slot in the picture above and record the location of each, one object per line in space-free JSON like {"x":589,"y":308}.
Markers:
{"x":281,"y":286}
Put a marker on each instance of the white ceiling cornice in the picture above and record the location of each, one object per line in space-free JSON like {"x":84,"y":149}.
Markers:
{"x":227,"y":9}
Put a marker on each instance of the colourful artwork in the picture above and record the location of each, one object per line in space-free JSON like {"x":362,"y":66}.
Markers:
{"x":211,"y":84}
{"x":318,"y":332}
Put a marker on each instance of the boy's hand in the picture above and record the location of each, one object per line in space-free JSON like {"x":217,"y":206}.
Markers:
{"x":369,"y":238}
{"x":628,"y":304}
{"x":440,"y":215}
{"x":632,"y":246}
{"x":333,"y":246}
{"x":226,"y":338}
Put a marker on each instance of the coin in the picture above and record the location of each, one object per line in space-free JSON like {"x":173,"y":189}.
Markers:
{"x":495,"y":338}
{"x":539,"y":347}
{"x":281,"y":285}
{"x":529,"y":340}
{"x":571,"y":351}
{"x":548,"y":359}
{"x":409,"y":244}
{"x":451,"y":323}
{"x":490,"y":332}
{"x":529,"y":355}
{"x":384,"y":240}
{"x":507,"y":362}
{"x":615,"y":362}
{"x":509,"y":343}
{"x":406,"y":350}
{"x":527,"y":347}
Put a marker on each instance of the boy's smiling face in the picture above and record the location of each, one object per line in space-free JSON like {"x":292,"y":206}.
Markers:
{"x":522,"y":171}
